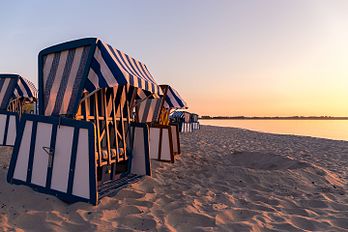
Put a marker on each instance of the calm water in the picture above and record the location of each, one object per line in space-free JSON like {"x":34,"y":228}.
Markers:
{"x":332,"y":129}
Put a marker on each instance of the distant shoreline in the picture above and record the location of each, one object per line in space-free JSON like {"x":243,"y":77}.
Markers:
{"x":274,"y":118}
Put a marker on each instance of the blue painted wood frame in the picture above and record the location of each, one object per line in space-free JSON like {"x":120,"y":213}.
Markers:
{"x":8,"y":114}
{"x":13,"y":85}
{"x":92,"y":165}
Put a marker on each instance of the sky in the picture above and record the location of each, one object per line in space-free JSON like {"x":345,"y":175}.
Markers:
{"x":225,"y":57}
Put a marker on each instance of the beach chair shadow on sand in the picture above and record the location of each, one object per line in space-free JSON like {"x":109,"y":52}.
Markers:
{"x":17,"y":96}
{"x":85,"y":143}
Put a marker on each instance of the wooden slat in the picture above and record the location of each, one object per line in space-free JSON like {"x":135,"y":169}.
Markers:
{"x":115,"y":126}
{"x":107,"y":133}
{"x":98,"y":128}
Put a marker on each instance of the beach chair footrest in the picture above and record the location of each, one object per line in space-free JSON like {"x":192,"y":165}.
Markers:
{"x":112,"y":187}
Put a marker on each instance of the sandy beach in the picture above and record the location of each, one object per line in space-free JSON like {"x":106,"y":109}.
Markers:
{"x":226,"y":179}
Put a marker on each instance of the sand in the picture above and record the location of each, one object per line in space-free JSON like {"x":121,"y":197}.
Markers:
{"x":226,"y":179}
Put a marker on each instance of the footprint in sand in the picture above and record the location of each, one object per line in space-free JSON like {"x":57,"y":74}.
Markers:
{"x":231,"y":215}
{"x":309,"y":224}
{"x":183,"y":220}
{"x":130,"y":194}
{"x":138,"y":223}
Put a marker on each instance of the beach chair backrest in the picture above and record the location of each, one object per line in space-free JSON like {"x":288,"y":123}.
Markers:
{"x":149,"y":110}
{"x":157,"y":111}
{"x":109,"y":110}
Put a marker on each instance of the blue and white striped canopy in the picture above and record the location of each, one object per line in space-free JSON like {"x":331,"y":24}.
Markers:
{"x":181,"y":114}
{"x":86,"y":65}
{"x":111,"y":67}
{"x":13,"y":86}
{"x":172,"y":99}
{"x":178,"y":114}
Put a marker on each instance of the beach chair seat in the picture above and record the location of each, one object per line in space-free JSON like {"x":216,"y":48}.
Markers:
{"x":114,"y":154}
{"x":104,"y":155}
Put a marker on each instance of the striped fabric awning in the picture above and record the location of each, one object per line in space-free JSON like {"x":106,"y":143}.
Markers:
{"x":177,"y":114}
{"x":110,"y":67}
{"x":172,"y":98}
{"x":180,"y":114}
{"x":149,"y":109}
{"x":87,"y":65}
{"x":13,"y":86}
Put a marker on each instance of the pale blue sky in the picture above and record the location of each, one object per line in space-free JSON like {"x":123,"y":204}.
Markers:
{"x":245,"y":57}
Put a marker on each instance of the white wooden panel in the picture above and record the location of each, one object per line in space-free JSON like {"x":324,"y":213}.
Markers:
{"x":154,"y":142}
{"x":187,"y":117}
{"x":165,"y":149}
{"x":183,"y":127}
{"x":138,"y":152}
{"x":21,"y":167}
{"x":195,"y":126}
{"x":151,"y":112}
{"x":12,"y":130}
{"x":81,"y":176}
{"x":40,"y":161}
{"x":2,"y":127}
{"x":141,"y":109}
{"x":62,"y":155}
{"x":186,"y":127}
{"x":175,"y":139}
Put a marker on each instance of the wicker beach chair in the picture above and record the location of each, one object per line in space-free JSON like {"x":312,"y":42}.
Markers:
{"x":85,"y":144}
{"x":164,"y":135}
{"x":188,"y":122}
{"x":17,"y":96}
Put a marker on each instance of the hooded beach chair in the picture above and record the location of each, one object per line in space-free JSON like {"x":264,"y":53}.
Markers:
{"x":164,"y":136}
{"x":85,"y":143}
{"x":194,"y":121}
{"x":17,"y":96}
{"x":187,"y":121}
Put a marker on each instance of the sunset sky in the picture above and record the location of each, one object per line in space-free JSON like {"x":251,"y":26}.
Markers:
{"x":247,"y":57}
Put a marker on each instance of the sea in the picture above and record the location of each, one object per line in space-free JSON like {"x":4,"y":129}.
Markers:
{"x":330,"y":129}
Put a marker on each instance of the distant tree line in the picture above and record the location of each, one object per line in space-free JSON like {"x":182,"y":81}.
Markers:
{"x":277,"y":117}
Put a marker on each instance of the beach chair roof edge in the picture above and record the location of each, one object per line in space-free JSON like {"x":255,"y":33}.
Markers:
{"x":18,"y":87}
{"x":104,"y":67}
{"x":173,"y":100}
